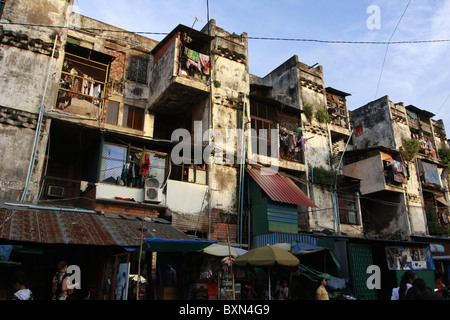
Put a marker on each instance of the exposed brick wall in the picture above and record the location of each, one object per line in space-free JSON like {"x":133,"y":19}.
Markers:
{"x":220,"y":232}
{"x":190,"y":222}
{"x":117,"y":69}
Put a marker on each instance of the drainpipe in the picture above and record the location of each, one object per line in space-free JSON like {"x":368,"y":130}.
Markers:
{"x":242,"y":171}
{"x":421,"y":197}
{"x":33,"y":207}
{"x":38,"y":128}
{"x":337,"y":221}
{"x":411,"y":226}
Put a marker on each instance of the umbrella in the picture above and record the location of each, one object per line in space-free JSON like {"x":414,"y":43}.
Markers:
{"x":268,"y":256}
{"x":220,"y":250}
{"x":135,"y":277}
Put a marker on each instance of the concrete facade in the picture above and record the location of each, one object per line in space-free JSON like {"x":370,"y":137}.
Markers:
{"x":413,"y":200}
{"x":148,"y":90}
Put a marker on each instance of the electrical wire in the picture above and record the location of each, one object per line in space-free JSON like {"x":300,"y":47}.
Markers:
{"x":239,"y":36}
{"x":387,"y":47}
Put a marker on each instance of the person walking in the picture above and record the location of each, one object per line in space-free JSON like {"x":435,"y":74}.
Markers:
{"x":321,"y":293}
{"x":284,"y":291}
{"x":20,"y":290}
{"x":61,"y":287}
{"x":399,"y":293}
{"x":420,"y":291}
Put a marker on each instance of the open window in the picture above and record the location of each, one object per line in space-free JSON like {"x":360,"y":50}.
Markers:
{"x":129,"y":166}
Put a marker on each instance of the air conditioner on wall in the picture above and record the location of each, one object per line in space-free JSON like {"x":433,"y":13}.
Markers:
{"x":152,"y":191}
{"x":55,"y":191}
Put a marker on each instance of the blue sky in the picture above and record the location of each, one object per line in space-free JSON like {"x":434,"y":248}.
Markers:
{"x":417,"y":74}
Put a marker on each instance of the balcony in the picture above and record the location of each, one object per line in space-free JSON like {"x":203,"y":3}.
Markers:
{"x":82,"y":83}
{"x":377,"y":169}
{"x":181,"y":71}
{"x":337,"y":110}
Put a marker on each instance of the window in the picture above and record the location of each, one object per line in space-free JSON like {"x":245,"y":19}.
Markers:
{"x":262,"y":120}
{"x":189,"y":173}
{"x":112,"y":112}
{"x":130,"y":166}
{"x":137,"y":69}
{"x":133,"y":118}
{"x":348,"y":210}
{"x":2,"y":6}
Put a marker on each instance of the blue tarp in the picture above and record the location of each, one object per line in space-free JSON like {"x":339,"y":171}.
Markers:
{"x":431,"y":173}
{"x":174,"y":245}
{"x":301,"y":246}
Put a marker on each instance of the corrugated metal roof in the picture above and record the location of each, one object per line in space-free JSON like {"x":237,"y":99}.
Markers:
{"x":280,"y":188}
{"x":65,"y":227}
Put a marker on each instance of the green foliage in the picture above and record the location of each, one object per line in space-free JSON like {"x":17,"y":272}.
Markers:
{"x":325,"y":177}
{"x":411,"y":148}
{"x":436,"y":228}
{"x":444,"y":155}
{"x":334,"y":158}
{"x":217,"y":84}
{"x":322,"y":116}
{"x":308,"y":109}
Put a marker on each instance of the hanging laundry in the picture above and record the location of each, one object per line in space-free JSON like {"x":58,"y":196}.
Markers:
{"x":204,"y":61}
{"x":193,"y":63}
{"x":191,"y":54}
{"x":144,"y":165}
{"x":291,"y":142}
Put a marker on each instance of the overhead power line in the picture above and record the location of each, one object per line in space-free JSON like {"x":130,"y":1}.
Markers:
{"x":238,"y":36}
{"x":387,"y":47}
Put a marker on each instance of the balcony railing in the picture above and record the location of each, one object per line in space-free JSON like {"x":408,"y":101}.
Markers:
{"x":81,"y":86}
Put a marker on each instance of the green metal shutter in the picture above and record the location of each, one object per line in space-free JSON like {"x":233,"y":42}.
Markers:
{"x":360,"y":257}
{"x":282,"y":217}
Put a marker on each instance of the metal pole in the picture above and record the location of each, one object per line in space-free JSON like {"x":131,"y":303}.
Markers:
{"x":242,"y":171}
{"x":38,"y":128}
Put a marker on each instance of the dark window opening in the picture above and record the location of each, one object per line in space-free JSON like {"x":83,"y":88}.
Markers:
{"x":133,"y":118}
{"x":138,"y":69}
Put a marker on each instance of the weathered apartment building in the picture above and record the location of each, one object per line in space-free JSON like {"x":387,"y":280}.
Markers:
{"x":117,"y":129}
{"x":396,"y":152}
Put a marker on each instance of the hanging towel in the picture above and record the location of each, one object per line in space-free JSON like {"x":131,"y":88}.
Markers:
{"x":191,"y":54}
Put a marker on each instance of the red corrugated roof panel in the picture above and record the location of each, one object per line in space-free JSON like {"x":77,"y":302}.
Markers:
{"x":280,"y":188}
{"x":65,"y":227}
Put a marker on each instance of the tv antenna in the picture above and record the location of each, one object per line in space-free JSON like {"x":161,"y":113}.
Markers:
{"x":195,"y":20}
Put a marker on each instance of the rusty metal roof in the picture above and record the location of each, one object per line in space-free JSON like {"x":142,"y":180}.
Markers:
{"x":280,"y":188}
{"x":66,"y":227}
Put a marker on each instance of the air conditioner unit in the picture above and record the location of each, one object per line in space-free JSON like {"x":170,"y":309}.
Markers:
{"x":152,"y":191}
{"x":55,"y":191}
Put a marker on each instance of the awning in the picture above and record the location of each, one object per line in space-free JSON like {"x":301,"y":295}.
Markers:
{"x":280,"y":188}
{"x":81,"y":228}
{"x":175,"y":245}
{"x":302,"y":248}
{"x":305,"y":248}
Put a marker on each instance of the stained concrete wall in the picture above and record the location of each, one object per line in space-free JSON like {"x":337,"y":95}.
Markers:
{"x":370,"y":171}
{"x":375,"y":123}
{"x":25,"y":57}
{"x":230,"y":71}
